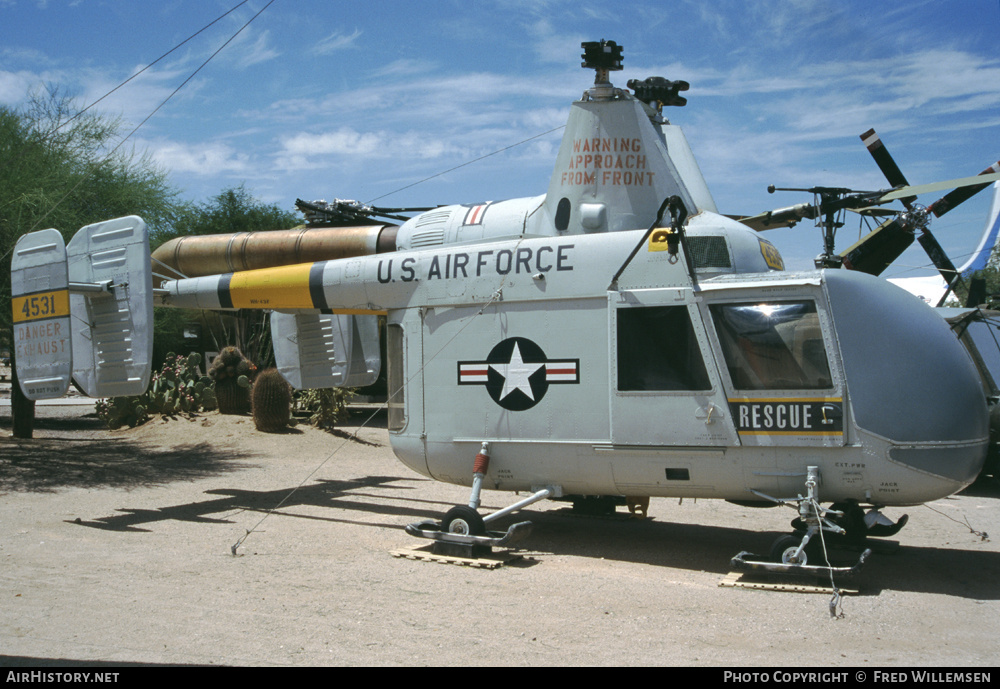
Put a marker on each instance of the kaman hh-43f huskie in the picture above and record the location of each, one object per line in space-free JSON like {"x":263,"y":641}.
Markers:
{"x":615,"y":338}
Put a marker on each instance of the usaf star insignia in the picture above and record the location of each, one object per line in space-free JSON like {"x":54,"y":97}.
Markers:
{"x":517,"y":374}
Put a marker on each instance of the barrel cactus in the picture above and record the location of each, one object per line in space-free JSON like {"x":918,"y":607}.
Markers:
{"x":231,"y":372}
{"x":272,"y":401}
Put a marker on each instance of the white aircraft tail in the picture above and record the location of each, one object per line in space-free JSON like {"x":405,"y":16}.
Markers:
{"x":84,"y":311}
{"x":314,"y":350}
{"x":984,"y":251}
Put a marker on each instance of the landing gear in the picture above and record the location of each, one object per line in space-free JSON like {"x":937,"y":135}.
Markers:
{"x":463,"y":531}
{"x":805,"y":552}
{"x":858,"y":525}
{"x":463,"y":520}
{"x":789,"y":550}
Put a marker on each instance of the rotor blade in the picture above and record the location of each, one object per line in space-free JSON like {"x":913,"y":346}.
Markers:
{"x":952,"y":199}
{"x":886,"y":164}
{"x":781,"y":217}
{"x":876,"y":251}
{"x":939,"y":258}
{"x":874,"y":211}
{"x":981,"y":181}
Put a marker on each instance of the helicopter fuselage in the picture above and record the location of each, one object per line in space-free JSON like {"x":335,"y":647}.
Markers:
{"x":725,"y":384}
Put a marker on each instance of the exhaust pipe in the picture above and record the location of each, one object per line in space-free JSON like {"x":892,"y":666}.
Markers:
{"x":197,"y":256}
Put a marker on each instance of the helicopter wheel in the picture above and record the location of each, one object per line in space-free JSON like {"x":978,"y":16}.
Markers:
{"x":785,"y":546}
{"x":463,"y":520}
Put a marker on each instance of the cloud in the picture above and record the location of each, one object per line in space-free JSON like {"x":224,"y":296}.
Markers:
{"x":201,"y":159}
{"x":337,"y":41}
{"x":259,"y":52}
{"x":308,"y":150}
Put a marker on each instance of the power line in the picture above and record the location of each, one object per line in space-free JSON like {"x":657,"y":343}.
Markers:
{"x":196,"y":33}
{"x":470,"y":162}
{"x":155,"y":110}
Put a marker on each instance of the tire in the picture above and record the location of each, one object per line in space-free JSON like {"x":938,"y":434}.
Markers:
{"x":783,"y":547}
{"x":464,"y":520}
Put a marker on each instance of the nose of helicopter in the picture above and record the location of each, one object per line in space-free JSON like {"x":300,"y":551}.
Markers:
{"x":911,"y":382}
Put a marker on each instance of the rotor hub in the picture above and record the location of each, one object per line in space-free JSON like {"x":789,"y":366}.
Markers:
{"x":604,"y":57}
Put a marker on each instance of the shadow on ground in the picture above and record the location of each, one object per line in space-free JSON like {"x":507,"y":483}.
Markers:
{"x":75,"y":452}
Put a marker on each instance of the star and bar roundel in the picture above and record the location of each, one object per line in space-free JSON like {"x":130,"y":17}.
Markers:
{"x":517,"y":374}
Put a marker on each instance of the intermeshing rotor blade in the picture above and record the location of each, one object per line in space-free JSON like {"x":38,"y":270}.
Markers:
{"x":886,"y":163}
{"x":965,"y":186}
{"x":940,"y":258}
{"x":876,"y":251}
{"x":952,"y":199}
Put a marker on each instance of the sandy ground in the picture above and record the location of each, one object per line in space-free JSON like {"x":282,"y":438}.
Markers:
{"x":115,"y":547}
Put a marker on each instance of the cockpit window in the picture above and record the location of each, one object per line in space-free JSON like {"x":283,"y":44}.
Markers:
{"x":394,"y":378}
{"x":773,"y":346}
{"x":658,"y":350}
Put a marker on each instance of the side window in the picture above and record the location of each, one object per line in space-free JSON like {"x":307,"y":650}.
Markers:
{"x":657,"y":350}
{"x":773,"y":346}
{"x":394,"y":376}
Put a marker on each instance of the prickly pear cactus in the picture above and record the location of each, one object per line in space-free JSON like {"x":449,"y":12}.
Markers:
{"x":272,"y":401}
{"x":175,"y":388}
{"x":231,"y":372}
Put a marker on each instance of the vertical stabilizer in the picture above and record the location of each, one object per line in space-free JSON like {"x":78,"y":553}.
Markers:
{"x":43,"y":351}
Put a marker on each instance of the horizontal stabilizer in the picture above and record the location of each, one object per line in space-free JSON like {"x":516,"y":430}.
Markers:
{"x":315,"y":351}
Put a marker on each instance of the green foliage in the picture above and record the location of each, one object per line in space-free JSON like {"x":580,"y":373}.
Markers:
{"x":168,"y":331}
{"x":58,"y":171}
{"x":325,"y":407}
{"x":178,"y":387}
{"x":232,"y":210}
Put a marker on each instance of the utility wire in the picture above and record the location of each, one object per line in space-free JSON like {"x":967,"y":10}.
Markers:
{"x":470,"y":162}
{"x":196,"y":33}
{"x":155,"y":110}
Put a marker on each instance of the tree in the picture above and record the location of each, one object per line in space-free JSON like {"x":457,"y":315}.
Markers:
{"x":59,"y":168}
{"x":232,"y":210}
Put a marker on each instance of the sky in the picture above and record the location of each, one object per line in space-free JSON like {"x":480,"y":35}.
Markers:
{"x":373,"y":101}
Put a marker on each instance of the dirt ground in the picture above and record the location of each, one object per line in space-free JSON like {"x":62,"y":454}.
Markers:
{"x":116,"y":547}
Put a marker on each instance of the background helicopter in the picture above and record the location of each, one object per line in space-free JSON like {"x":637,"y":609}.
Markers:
{"x":624,"y":355}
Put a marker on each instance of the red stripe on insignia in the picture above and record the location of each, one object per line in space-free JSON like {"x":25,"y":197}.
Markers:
{"x":561,"y":372}
{"x":473,"y":373}
{"x":475,"y":215}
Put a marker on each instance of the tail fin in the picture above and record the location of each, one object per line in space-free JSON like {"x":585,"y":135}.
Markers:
{"x":326,"y":350}
{"x":84,"y":310}
{"x":40,"y":299}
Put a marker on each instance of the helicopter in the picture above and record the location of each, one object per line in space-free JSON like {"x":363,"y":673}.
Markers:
{"x":613,"y":339}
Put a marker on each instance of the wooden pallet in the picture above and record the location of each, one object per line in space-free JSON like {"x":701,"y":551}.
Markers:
{"x":425,"y":553}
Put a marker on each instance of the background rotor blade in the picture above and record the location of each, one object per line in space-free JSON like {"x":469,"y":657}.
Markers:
{"x":876,"y":251}
{"x":952,"y":199}
{"x":939,"y":258}
{"x":980,"y":181}
{"x":886,"y":163}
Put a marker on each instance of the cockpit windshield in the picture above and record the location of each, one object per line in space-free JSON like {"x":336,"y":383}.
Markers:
{"x":773,"y":346}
